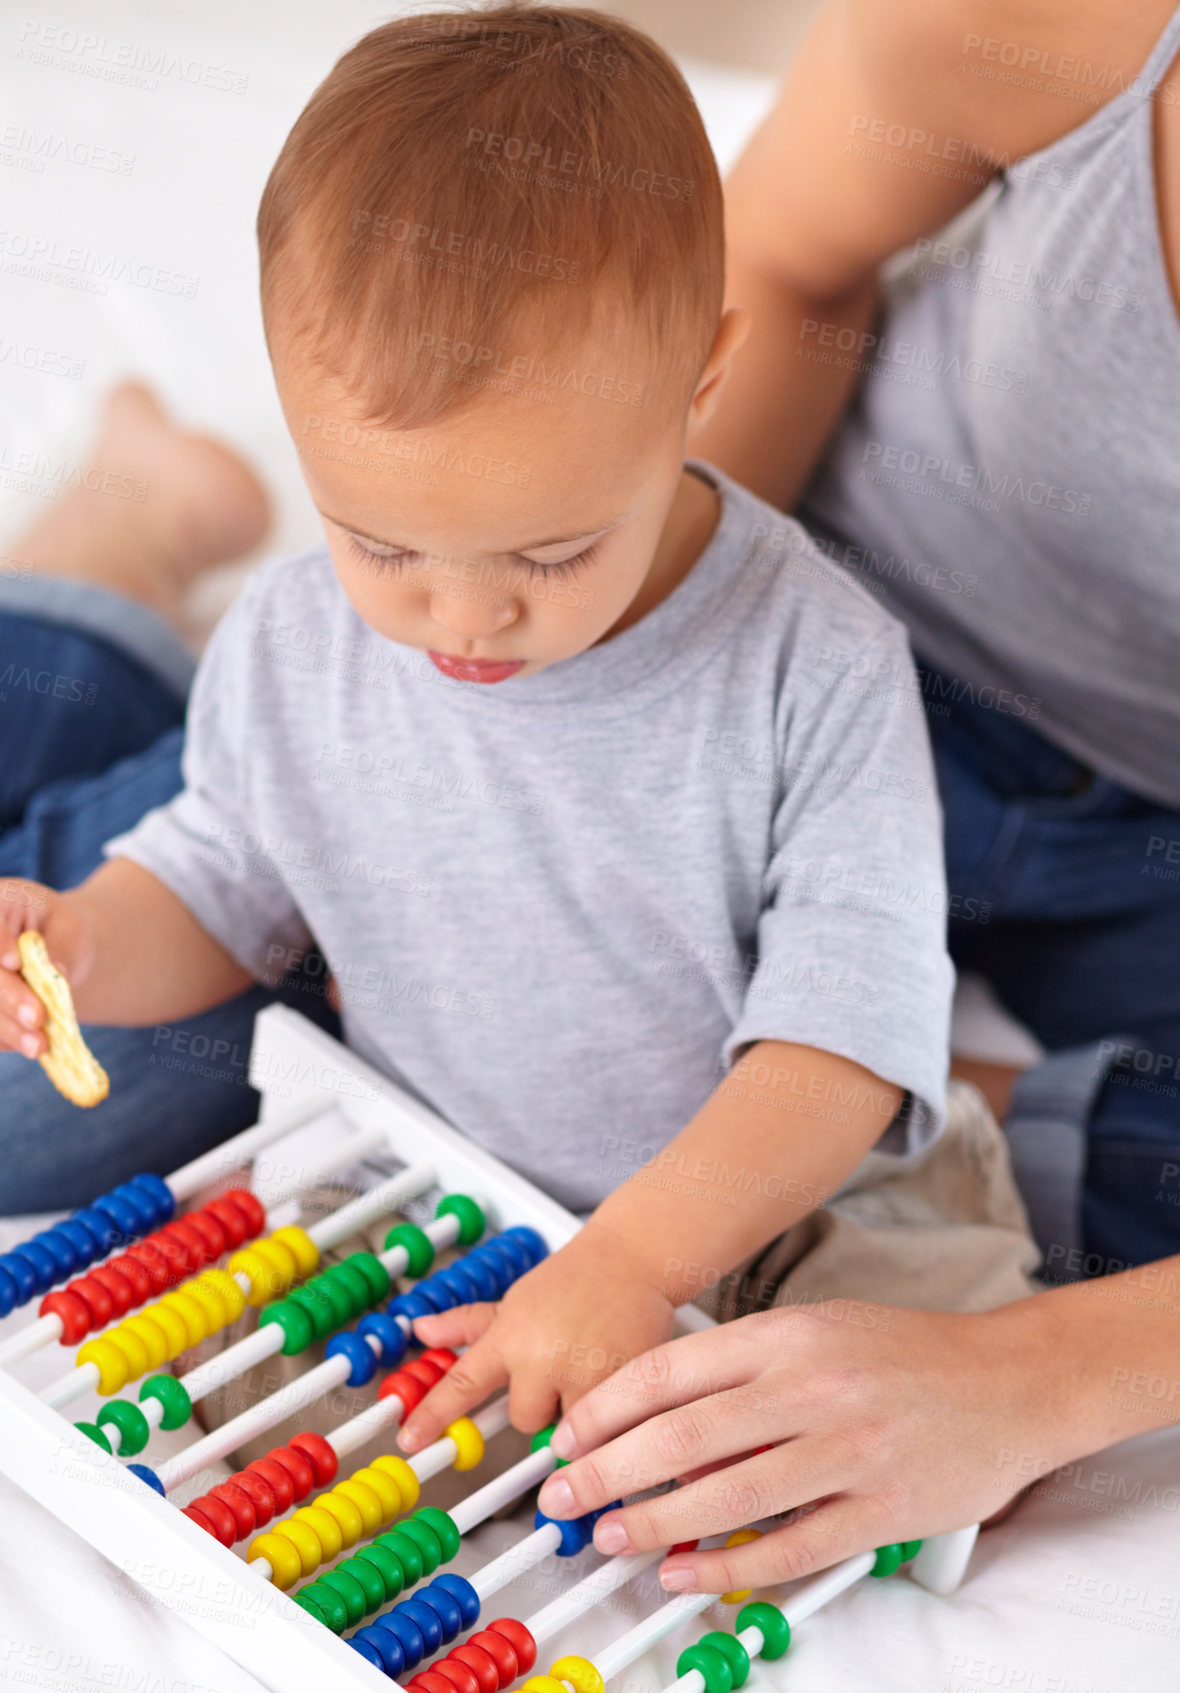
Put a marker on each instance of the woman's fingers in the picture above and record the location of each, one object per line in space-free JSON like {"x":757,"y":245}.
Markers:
{"x":836,"y":1529}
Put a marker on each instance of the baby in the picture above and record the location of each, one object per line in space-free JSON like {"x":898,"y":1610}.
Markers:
{"x":606,"y":797}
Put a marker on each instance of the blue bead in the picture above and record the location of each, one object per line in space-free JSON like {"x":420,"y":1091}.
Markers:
{"x":426,"y":1619}
{"x":43,"y":1262}
{"x":80,"y":1238}
{"x":22,"y":1273}
{"x":160,"y":1193}
{"x":464,"y":1594}
{"x":386,"y":1644}
{"x":142,"y":1204}
{"x":481,"y":1278}
{"x":8,"y":1299}
{"x":61,"y":1249}
{"x":445,"y":1607}
{"x":413,"y":1305}
{"x":104,"y":1233}
{"x":359,"y":1353}
{"x":406,"y":1632}
{"x":593,"y":1516}
{"x":390,"y":1335}
{"x":124,"y":1217}
{"x":496,"y":1273}
{"x":575,"y":1533}
{"x":459,"y":1284}
{"x":510,"y":1255}
{"x":368,"y":1652}
{"x":533,"y":1242}
{"x":149,"y":1476}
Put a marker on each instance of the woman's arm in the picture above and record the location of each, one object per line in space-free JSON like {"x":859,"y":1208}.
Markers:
{"x":892,"y":1424}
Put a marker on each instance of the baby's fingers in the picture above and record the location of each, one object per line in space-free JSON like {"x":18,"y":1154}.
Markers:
{"x":466,"y":1385}
{"x":22,"y":1016}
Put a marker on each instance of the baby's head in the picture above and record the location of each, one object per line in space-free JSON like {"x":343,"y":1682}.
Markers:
{"x":492,"y":276}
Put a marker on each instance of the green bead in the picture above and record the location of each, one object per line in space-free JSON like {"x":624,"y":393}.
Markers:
{"x":889,"y":1558}
{"x":134,"y":1429}
{"x":93,"y":1432}
{"x":770,"y":1623}
{"x":298,"y":1329}
{"x":407,"y":1552}
{"x":910,"y":1549}
{"x":388,"y":1567}
{"x":443,"y":1525}
{"x":329,"y":1603}
{"x":368,"y":1578}
{"x":542,"y":1438}
{"x":418,"y":1247}
{"x":374,"y":1272}
{"x":472,"y":1221}
{"x":349,"y":1589}
{"x":305,"y":1599}
{"x":426,"y":1540}
{"x":173,"y":1396}
{"x":730,"y":1647}
{"x":712,"y":1664}
{"x":336,"y":1290}
{"x":318,"y":1307}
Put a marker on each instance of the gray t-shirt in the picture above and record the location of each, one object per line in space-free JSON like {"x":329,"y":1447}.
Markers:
{"x":558,"y":906}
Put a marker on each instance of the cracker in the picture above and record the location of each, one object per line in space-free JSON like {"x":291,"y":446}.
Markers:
{"x":69,"y":1064}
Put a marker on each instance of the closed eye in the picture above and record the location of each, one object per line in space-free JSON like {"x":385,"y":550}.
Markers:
{"x":387,"y":563}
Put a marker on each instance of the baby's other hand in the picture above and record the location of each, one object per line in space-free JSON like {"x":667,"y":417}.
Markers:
{"x":69,"y":942}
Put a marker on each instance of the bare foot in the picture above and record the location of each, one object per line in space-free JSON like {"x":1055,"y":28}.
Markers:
{"x":155,"y":505}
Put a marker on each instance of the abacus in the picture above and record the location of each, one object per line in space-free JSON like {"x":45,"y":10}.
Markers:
{"x":337,"y":1586}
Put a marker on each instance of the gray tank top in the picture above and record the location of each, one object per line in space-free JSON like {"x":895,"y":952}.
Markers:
{"x":1008,"y":478}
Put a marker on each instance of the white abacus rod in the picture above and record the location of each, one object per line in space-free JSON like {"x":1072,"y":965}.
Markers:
{"x":28,"y":1340}
{"x":359,"y":1430}
{"x":942,"y":1563}
{"x":433,"y":1459}
{"x":232,"y":1153}
{"x":590,"y":1592}
{"x":345,"y":1152}
{"x":443,"y":1231}
{"x":801,"y":1605}
{"x":649,"y":1630}
{"x":503,"y":1489}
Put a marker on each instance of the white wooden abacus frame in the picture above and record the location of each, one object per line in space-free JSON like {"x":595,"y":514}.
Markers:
{"x":299,"y":1070}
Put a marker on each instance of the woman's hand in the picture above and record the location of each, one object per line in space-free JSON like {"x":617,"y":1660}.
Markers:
{"x":886,"y":1424}
{"x":69,"y":940}
{"x":561,"y":1328}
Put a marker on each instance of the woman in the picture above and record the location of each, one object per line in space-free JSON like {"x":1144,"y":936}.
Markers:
{"x":1006,"y":476}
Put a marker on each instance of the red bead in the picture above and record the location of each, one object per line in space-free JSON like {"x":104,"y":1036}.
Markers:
{"x":96,"y":1300}
{"x":211,"y":1232}
{"x":297,"y":1467}
{"x":320,"y":1454}
{"x":261,"y":1493}
{"x":120,"y":1290}
{"x":519,"y":1639}
{"x":408,"y":1389}
{"x":133,"y":1272}
{"x":440,"y":1355}
{"x":196,"y":1515}
{"x":240,"y":1503}
{"x":219,"y":1516}
{"x":424,"y":1371}
{"x":176,"y":1251}
{"x":501,"y":1650}
{"x":231,"y":1219}
{"x":482,"y":1663}
{"x":147,"y":1253}
{"x":447,"y":1676}
{"x":279,"y":1479}
{"x":181,"y":1229}
{"x":75,"y":1317}
{"x":683,"y":1546}
{"x":250,"y":1206}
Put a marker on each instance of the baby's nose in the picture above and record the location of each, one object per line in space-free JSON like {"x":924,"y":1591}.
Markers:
{"x":472,"y":619}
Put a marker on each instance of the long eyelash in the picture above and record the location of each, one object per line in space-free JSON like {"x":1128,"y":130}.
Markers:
{"x":387,"y":562}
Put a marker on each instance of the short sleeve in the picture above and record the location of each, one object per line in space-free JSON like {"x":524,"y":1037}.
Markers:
{"x":851,"y":953}
{"x":200,"y":845}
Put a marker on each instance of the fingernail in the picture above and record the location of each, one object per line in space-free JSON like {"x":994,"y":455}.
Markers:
{"x":678,"y":1580}
{"x":28,"y":1045}
{"x":409,"y":1440}
{"x":28,"y":1016}
{"x":562,"y":1442}
{"x":556,"y":1497}
{"x":611,"y":1536}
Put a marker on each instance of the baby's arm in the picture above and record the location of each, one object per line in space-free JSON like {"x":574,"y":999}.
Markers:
{"x":753,"y":1161}
{"x":131,"y":951}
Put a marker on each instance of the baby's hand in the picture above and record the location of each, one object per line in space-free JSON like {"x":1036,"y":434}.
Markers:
{"x":69,"y":940}
{"x":564,"y":1326}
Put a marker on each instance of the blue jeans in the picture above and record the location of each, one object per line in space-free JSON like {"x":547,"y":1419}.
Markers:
{"x":1065,"y":894}
{"x":92,"y":700}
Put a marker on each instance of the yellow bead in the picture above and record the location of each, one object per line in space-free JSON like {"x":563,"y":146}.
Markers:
{"x":227,"y":1289}
{"x":133,"y":1349}
{"x":347,"y":1515}
{"x":304,"y":1249}
{"x":285,"y":1563}
{"x":110,"y":1360}
{"x":400,"y":1472}
{"x":581,"y":1674}
{"x":544,"y":1684}
{"x":325,"y":1528}
{"x":211,"y":1303}
{"x":174,"y":1328}
{"x":305,"y":1541}
{"x":739,"y":1539}
{"x":468,"y":1441}
{"x":191,"y":1313}
{"x":145,"y":1327}
{"x":388,"y":1492}
{"x":270,"y":1267}
{"x":367,"y":1501}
